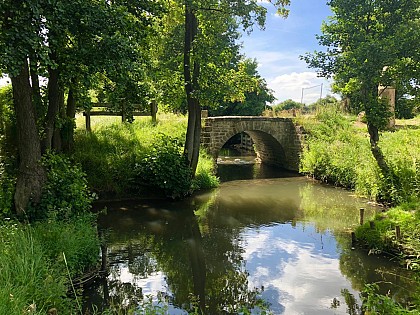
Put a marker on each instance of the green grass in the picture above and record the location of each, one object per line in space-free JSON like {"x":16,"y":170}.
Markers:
{"x":383,"y":235}
{"x":339,"y":153}
{"x":111,"y":151}
{"x":33,"y":275}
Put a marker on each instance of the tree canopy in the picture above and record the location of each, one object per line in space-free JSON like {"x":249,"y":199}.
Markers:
{"x":370,"y":43}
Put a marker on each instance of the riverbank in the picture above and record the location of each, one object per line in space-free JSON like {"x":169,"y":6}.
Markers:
{"x":338,"y":153}
{"x":39,"y":261}
{"x":139,"y":160}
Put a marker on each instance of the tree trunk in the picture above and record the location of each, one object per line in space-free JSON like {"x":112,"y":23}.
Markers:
{"x":56,"y":142}
{"x":67,"y":132}
{"x":53,"y":108}
{"x":36,"y":91}
{"x":192,"y":143}
{"x":31,"y":176}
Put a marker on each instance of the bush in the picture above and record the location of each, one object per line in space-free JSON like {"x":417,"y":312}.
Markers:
{"x":65,"y":194}
{"x":109,"y":155}
{"x":8,"y":151}
{"x":7,"y":189}
{"x":375,"y":303}
{"x":166,"y":168}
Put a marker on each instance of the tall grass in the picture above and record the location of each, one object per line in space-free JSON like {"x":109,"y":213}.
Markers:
{"x":110,"y":153}
{"x":339,"y":153}
{"x":32,"y":271}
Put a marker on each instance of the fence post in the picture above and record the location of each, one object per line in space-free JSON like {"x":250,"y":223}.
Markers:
{"x":362,"y":215}
{"x":88,"y":120}
{"x":153,"y":110}
{"x":398,"y":232}
{"x":122,"y":112}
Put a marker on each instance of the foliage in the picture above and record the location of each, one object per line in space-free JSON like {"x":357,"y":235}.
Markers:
{"x":7,"y":187}
{"x":375,"y":303}
{"x":254,"y":101}
{"x":7,"y":151}
{"x":65,"y":194}
{"x":6,"y":109}
{"x":204,"y":177}
{"x":363,"y":50}
{"x":78,"y":239}
{"x":109,"y":154}
{"x":383,"y":236}
{"x":339,"y":153}
{"x":287,"y":105}
{"x":165,"y":167}
{"x":33,"y":274}
{"x":328,"y":101}
{"x":29,"y":282}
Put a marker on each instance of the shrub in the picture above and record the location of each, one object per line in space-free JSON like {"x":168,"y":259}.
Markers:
{"x":165,"y":167}
{"x":205,"y":177}
{"x":375,"y":303}
{"x":65,"y":194}
{"x":8,"y":150}
{"x":7,"y":189}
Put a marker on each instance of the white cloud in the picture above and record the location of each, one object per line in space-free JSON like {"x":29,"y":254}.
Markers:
{"x":289,"y":86}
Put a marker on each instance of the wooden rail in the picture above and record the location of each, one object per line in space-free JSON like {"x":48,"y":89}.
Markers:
{"x":99,"y":109}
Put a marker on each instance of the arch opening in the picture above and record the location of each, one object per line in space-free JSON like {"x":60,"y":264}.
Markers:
{"x":239,"y":148}
{"x":259,"y":146}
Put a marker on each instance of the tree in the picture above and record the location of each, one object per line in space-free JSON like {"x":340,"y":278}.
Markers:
{"x":367,"y":42}
{"x":254,"y":102}
{"x":287,"y":105}
{"x":68,"y":42}
{"x":199,"y":17}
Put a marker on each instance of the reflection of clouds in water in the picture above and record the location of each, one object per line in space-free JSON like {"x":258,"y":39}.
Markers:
{"x":255,"y":245}
{"x":298,"y":278}
{"x":150,"y":286}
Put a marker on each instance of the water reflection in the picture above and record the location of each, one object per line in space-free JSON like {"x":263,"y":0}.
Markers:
{"x":282,"y":241}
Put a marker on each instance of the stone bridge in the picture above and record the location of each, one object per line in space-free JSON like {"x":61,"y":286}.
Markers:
{"x":278,"y":141}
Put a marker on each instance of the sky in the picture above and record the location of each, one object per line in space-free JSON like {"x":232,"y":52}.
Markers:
{"x":278,"y":47}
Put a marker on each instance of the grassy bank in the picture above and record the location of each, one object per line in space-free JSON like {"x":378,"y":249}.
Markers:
{"x":338,"y":152}
{"x":38,"y":260}
{"x":118,"y":158}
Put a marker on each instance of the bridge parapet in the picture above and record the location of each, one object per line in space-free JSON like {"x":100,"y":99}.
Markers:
{"x":278,"y":141}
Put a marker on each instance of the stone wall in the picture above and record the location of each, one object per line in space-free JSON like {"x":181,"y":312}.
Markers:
{"x":278,"y":141}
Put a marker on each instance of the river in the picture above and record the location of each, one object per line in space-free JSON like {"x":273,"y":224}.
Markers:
{"x":265,"y":236}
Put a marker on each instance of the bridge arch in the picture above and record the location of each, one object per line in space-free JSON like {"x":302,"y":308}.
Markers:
{"x":278,"y":141}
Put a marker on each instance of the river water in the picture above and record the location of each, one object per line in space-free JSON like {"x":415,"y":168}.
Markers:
{"x":265,"y":236}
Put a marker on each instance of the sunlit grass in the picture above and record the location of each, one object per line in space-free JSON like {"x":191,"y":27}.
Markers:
{"x":110,"y":152}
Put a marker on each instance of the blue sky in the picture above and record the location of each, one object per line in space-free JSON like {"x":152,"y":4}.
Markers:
{"x":278,"y":47}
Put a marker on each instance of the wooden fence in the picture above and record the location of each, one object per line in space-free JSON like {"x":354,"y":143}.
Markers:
{"x":103,"y":109}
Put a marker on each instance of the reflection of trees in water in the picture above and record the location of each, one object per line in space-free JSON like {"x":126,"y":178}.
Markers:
{"x":332,"y":208}
{"x":210,"y":266}
{"x":362,"y":269}
{"x":339,"y":213}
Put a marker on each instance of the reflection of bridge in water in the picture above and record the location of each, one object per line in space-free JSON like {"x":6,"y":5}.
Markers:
{"x":278,"y":141}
